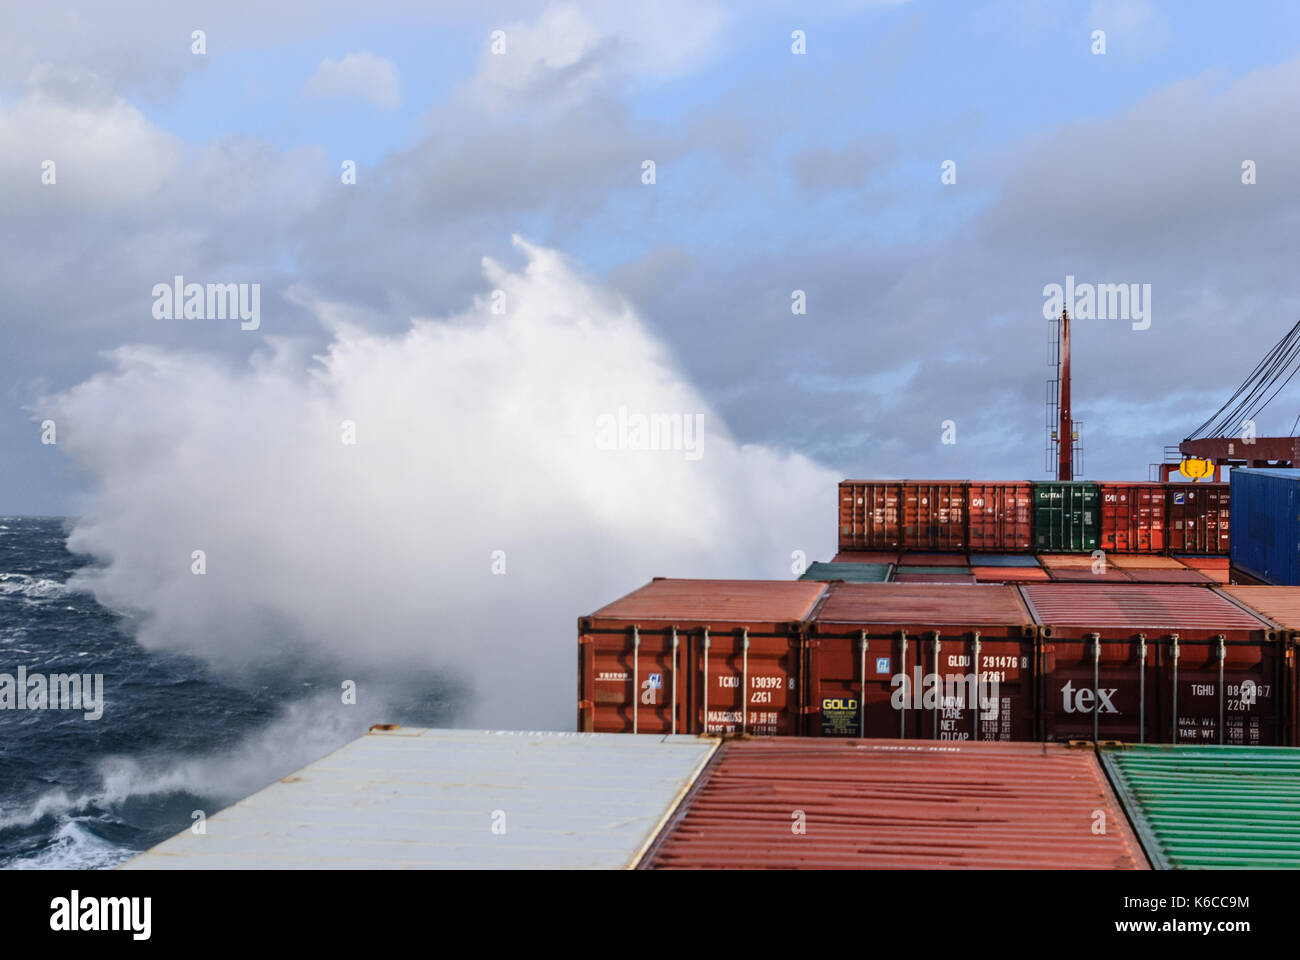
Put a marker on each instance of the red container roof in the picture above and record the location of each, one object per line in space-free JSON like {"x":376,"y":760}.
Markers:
{"x":731,"y":601}
{"x":1279,"y":604}
{"x":1133,"y":605}
{"x":889,"y":804}
{"x":935,"y":603}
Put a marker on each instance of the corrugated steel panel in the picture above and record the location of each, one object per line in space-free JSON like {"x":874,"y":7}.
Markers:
{"x":1211,"y":807}
{"x":1267,"y":507}
{"x":1205,"y":563}
{"x":882,"y":804}
{"x":1073,"y":574}
{"x":917,"y":559}
{"x":934,"y":514}
{"x":1198,"y":517}
{"x":1000,"y":516}
{"x":1066,"y":516}
{"x":458,"y":799}
{"x":1132,"y":517}
{"x":866,"y":637}
{"x":871,"y":515}
{"x":1009,"y":574}
{"x":1281,"y":605}
{"x":903,"y":576}
{"x":866,"y":556}
{"x":1003,"y":560}
{"x":1052,"y":560}
{"x":1144,"y":562}
{"x":852,"y":572}
{"x":695,"y":656}
{"x":913,"y":569}
{"x":1184,"y":575}
{"x":1164,"y":663}
{"x":667,"y":600}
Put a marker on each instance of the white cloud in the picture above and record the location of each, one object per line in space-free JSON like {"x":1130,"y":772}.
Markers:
{"x":363,"y":75}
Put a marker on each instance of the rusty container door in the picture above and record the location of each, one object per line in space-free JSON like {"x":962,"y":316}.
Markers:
{"x":934,"y":515}
{"x":1133,"y":517}
{"x":642,"y":659}
{"x":749,"y":681}
{"x":870,"y":515}
{"x":1198,"y":518}
{"x":1153,"y":663}
{"x":909,"y":653}
{"x":1281,"y":607}
{"x":1000,"y":516}
{"x":889,"y":805}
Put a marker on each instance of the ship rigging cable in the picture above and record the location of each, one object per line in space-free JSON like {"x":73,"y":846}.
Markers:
{"x":1253,"y":395}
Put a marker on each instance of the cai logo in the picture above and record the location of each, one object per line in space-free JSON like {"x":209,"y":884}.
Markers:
{"x":882,"y":665}
{"x":656,"y":681}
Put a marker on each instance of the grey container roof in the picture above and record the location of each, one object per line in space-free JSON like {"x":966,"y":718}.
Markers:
{"x":421,"y":798}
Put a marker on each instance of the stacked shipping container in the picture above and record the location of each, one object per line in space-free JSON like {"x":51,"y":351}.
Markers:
{"x":1211,"y":807}
{"x":693,"y":656}
{"x":1046,"y":517}
{"x":1154,"y":663}
{"x":889,"y":804}
{"x":1123,"y":661}
{"x":1267,"y":548}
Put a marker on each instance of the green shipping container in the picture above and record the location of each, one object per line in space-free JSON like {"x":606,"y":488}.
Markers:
{"x":851,"y":572}
{"x":1067,"y":517}
{"x":1211,"y":807}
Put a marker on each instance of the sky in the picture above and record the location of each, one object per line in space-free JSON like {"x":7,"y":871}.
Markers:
{"x":776,"y":171}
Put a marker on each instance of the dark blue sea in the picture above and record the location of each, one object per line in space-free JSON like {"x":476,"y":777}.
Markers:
{"x":174,"y":737}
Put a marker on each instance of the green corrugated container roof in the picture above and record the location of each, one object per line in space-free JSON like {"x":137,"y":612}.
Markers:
{"x":851,"y":572}
{"x":1210,"y":806}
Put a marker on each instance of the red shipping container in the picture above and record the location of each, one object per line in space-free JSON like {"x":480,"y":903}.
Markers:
{"x":1133,"y":517}
{"x":934,"y":515}
{"x":1142,"y":575}
{"x":661,"y":658}
{"x":911,"y":559}
{"x":898,"y":660}
{"x":1162,"y":664}
{"x":902,"y":576}
{"x":866,"y":556}
{"x":1086,"y":575}
{"x":889,"y":804}
{"x":1001,"y":517}
{"x":1198,"y":517}
{"x":1281,"y":606}
{"x":1009,"y":574}
{"x":871,"y":515}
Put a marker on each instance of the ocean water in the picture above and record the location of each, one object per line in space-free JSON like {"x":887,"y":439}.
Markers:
{"x":174,"y":737}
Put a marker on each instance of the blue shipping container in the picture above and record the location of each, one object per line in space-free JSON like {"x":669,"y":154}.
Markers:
{"x":1265,"y":535}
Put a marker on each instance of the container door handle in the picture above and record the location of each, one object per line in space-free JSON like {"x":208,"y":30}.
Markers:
{"x":937,"y":699}
{"x":636,"y":674}
{"x":706,"y":680}
{"x":902,"y":669}
{"x":1173,"y":652}
{"x":744,"y":682}
{"x":862,"y":694}
{"x":674,"y":721}
{"x":1142,"y":688}
{"x":1223,"y":653}
{"x":1096,"y":683}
